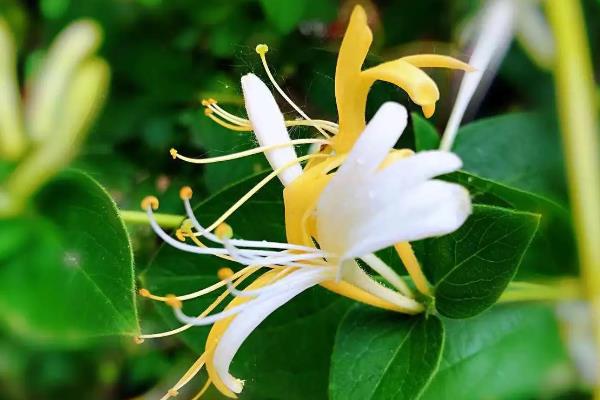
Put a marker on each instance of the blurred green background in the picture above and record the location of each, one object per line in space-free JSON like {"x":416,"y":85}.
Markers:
{"x":167,"y":55}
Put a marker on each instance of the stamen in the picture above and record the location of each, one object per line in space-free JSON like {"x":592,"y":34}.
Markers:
{"x":387,"y":273}
{"x":151,"y":201}
{"x":209,"y":113}
{"x":245,"y":153}
{"x":245,"y":273}
{"x":262,"y":50}
{"x":259,"y":186}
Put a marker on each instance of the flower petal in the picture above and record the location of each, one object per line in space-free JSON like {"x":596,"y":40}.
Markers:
{"x":269,"y":127}
{"x":376,"y":141}
{"x":245,"y":323}
{"x":433,"y":208}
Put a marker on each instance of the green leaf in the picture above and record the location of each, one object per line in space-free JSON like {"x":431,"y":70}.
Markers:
{"x":383,"y":355}
{"x":288,"y":355}
{"x":506,"y":353}
{"x":73,"y":278}
{"x":553,"y":249}
{"x":284,"y":14}
{"x":426,"y":136}
{"x":471,"y":267}
{"x":521,"y":150}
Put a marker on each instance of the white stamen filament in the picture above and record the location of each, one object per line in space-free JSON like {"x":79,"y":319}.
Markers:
{"x":377,"y":265}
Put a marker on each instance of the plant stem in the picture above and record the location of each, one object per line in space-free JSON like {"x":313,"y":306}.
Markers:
{"x":558,"y":290}
{"x":576,"y":99}
{"x":167,"y":221}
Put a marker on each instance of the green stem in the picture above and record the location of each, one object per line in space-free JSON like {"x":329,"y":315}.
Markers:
{"x":167,"y":221}
{"x":576,"y":99}
{"x":558,"y":290}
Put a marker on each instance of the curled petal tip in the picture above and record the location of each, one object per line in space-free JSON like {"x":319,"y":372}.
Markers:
{"x":428,"y":110}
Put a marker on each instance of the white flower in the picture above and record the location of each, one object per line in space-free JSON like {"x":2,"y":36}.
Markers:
{"x":369,"y":204}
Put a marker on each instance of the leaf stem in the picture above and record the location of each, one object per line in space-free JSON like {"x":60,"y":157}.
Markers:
{"x":167,"y":221}
{"x":557,"y":290}
{"x":576,"y":99}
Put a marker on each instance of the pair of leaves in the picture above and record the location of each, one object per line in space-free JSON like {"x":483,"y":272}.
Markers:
{"x":505,"y":353}
{"x":67,"y":274}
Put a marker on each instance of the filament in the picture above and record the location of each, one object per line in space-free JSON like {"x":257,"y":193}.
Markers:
{"x":262,"y":49}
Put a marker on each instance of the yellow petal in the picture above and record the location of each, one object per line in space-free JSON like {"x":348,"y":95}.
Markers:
{"x":437,"y":61}
{"x":419,"y":86}
{"x":350,"y":91}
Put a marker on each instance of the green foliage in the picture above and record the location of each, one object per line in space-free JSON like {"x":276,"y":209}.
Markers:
{"x":381,"y":355}
{"x":470,"y":268}
{"x":75,"y":256}
{"x":506,"y":353}
{"x":519,"y":150}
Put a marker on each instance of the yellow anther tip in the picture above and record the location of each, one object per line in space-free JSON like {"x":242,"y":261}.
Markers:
{"x":224,"y":231}
{"x":207,"y":111}
{"x":262,"y":49}
{"x":173,"y":393}
{"x":150,"y":201}
{"x":173,"y":301}
{"x":179,"y":235}
{"x":185,"y":193}
{"x":138,"y":340}
{"x":173,"y":153}
{"x":144,"y":292}
{"x":224,"y":273}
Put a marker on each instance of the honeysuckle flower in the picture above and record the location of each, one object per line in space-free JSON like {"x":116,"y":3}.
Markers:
{"x":376,"y":199}
{"x":490,"y":35}
{"x":355,"y":196}
{"x":43,"y":132}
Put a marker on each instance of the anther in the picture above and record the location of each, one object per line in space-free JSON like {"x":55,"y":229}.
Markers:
{"x":138,"y":340}
{"x":144,"y":292}
{"x":179,"y":235}
{"x":150,"y":201}
{"x":186,"y":226}
{"x":208,"y":111}
{"x":185,"y":193}
{"x":224,"y":231}
{"x":173,"y":301}
{"x":173,"y":393}
{"x":262,"y":49}
{"x":173,"y":153}
{"x":224,"y":273}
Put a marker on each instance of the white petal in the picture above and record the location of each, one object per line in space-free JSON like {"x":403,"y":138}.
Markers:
{"x":269,"y":127}
{"x":245,"y":323}
{"x":433,"y":208}
{"x":376,"y":141}
{"x":495,"y":33}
